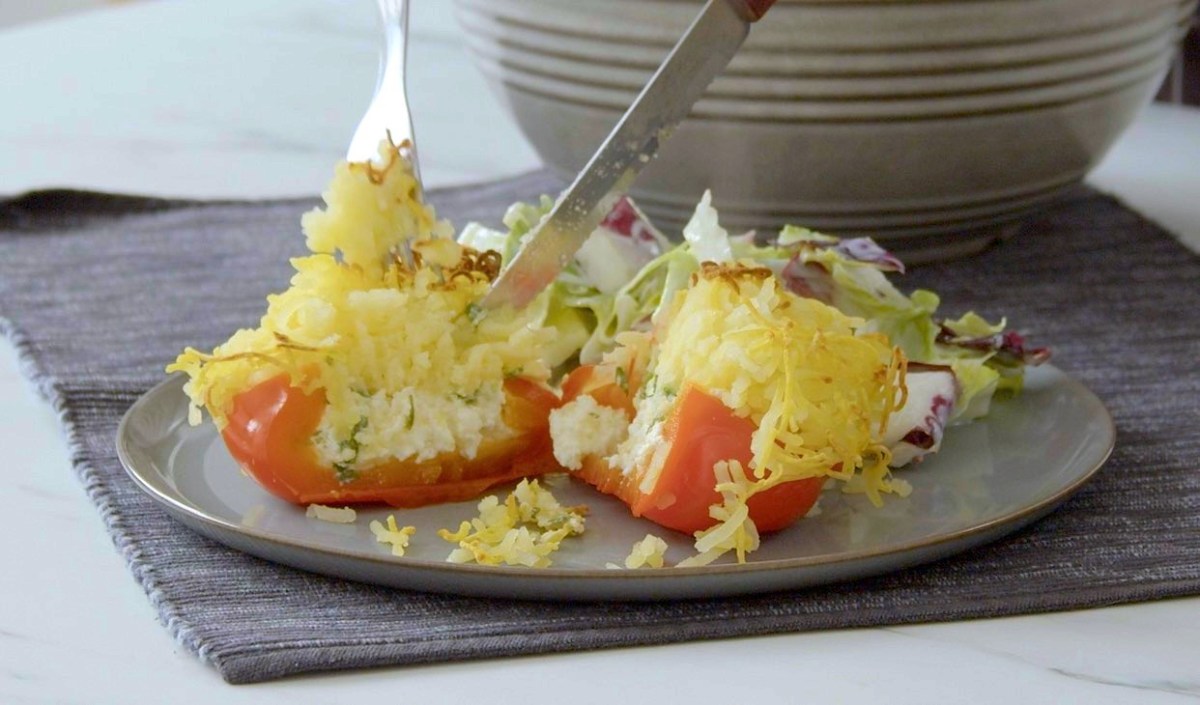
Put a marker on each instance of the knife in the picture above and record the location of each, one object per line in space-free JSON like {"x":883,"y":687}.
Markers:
{"x":703,"y":51}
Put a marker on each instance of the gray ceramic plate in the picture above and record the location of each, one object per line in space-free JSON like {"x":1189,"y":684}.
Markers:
{"x":991,"y":478}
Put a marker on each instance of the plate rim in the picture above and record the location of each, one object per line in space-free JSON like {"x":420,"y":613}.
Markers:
{"x":175,"y":504}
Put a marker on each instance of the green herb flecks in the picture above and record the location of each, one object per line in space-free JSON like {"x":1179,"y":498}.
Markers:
{"x":649,"y":386}
{"x":345,"y":469}
{"x":475,"y":312}
{"x":623,"y":379}
{"x":344,"y":472}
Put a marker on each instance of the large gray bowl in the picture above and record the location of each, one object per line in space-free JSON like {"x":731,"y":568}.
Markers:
{"x":931,"y":125}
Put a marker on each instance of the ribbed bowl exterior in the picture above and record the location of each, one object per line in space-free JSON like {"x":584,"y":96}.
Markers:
{"x":927,"y":124}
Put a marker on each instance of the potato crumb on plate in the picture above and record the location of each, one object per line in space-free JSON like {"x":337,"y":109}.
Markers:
{"x":333,"y":515}
{"x":523,"y":530}
{"x":393,"y":534}
{"x":647,"y":553}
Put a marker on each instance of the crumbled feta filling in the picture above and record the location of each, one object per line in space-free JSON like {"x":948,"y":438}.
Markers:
{"x":416,"y":424}
{"x":582,"y":428}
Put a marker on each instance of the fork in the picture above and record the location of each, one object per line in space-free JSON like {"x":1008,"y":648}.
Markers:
{"x":387,"y":116}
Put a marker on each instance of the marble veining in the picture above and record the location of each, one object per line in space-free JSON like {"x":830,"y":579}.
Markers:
{"x":1189,"y":689}
{"x":1049,"y":662}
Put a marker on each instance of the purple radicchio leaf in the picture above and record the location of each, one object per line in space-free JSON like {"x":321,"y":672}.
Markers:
{"x":627,"y":219}
{"x":812,"y":280}
{"x":808,"y":280}
{"x":864,"y":249}
{"x":1009,"y":347}
{"x":930,"y":432}
{"x":918,"y":427}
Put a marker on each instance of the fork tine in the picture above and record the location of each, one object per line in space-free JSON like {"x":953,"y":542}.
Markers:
{"x":388,"y":111}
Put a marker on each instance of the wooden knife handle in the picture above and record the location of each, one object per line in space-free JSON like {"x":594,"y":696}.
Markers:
{"x":757,"y":8}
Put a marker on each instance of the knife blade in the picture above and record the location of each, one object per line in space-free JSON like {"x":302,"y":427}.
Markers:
{"x":703,"y":51}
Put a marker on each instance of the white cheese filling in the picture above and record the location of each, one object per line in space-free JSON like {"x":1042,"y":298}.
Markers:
{"x":645,"y":446}
{"x":583,"y":427}
{"x":414,"y":424}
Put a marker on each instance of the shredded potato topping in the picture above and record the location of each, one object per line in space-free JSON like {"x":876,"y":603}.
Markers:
{"x":378,"y":317}
{"x":819,"y":389}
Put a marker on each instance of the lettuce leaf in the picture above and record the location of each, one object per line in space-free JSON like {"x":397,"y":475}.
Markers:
{"x":851,"y":275}
{"x":627,"y":273}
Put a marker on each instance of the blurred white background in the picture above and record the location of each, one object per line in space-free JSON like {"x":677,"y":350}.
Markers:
{"x":14,"y":13}
{"x":1182,"y":86}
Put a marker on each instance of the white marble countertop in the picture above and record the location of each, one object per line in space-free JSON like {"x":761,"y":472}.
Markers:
{"x":223,"y":98}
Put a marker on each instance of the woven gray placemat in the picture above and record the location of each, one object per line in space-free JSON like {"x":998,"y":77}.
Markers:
{"x":99,"y":292}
